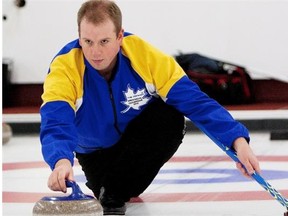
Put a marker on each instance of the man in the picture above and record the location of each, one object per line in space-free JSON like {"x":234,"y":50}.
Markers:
{"x":119,"y":104}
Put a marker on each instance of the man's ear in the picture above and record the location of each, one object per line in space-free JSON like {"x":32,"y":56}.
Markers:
{"x":121,"y":35}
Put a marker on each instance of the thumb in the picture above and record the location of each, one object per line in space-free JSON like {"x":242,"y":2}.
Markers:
{"x":70,"y":176}
{"x":249,"y":168}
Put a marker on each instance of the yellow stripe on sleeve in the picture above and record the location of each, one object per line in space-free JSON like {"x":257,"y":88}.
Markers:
{"x":151,"y":64}
{"x":65,"y":79}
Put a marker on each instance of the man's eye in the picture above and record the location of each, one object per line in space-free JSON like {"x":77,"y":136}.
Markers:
{"x":104,"y":42}
{"x":89,"y":42}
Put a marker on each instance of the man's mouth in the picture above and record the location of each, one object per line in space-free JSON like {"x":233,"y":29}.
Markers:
{"x":97,"y":61}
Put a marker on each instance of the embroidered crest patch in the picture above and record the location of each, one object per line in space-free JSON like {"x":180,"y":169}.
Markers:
{"x":135,"y":99}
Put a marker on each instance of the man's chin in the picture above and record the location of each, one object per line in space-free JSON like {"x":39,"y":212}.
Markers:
{"x":97,"y":67}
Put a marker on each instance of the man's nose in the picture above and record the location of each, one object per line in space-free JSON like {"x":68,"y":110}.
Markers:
{"x":96,"y":50}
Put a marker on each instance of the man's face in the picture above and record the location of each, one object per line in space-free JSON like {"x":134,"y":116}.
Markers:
{"x":100,"y":44}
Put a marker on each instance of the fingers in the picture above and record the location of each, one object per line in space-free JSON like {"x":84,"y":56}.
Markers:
{"x":247,"y":158}
{"x":242,"y":170}
{"x":56,"y":181}
{"x":61,"y":182}
{"x":255,"y":164}
{"x":63,"y":171}
{"x":249,"y":166}
{"x":251,"y":163}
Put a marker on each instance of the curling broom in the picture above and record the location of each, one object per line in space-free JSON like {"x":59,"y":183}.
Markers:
{"x":257,"y":177}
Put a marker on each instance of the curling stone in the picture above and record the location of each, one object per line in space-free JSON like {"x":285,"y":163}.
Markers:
{"x":76,"y":204}
{"x":6,"y":133}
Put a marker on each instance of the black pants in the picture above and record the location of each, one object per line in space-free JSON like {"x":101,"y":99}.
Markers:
{"x":128,"y":168}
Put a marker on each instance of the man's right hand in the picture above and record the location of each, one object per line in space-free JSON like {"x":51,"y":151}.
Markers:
{"x":63,"y":171}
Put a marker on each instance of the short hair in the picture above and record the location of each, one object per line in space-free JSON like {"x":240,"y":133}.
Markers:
{"x":98,"y":11}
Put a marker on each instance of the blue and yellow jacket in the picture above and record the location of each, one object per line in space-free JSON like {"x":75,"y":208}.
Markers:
{"x":82,"y":112}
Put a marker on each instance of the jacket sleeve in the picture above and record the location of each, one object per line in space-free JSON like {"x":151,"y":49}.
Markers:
{"x":170,"y":82}
{"x":206,"y":113}
{"x":62,"y":90}
{"x":58,"y":134}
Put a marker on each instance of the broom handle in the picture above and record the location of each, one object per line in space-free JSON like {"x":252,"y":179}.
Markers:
{"x":258,"y":178}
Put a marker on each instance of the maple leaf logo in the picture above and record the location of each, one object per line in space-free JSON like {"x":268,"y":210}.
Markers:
{"x":134,"y":99}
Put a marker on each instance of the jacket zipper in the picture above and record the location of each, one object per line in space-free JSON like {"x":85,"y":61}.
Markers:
{"x":114,"y":110}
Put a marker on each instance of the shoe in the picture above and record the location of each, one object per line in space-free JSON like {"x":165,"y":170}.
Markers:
{"x":111,"y":205}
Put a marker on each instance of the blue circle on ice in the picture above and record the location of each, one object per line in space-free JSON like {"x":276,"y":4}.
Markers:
{"x":211,"y":176}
